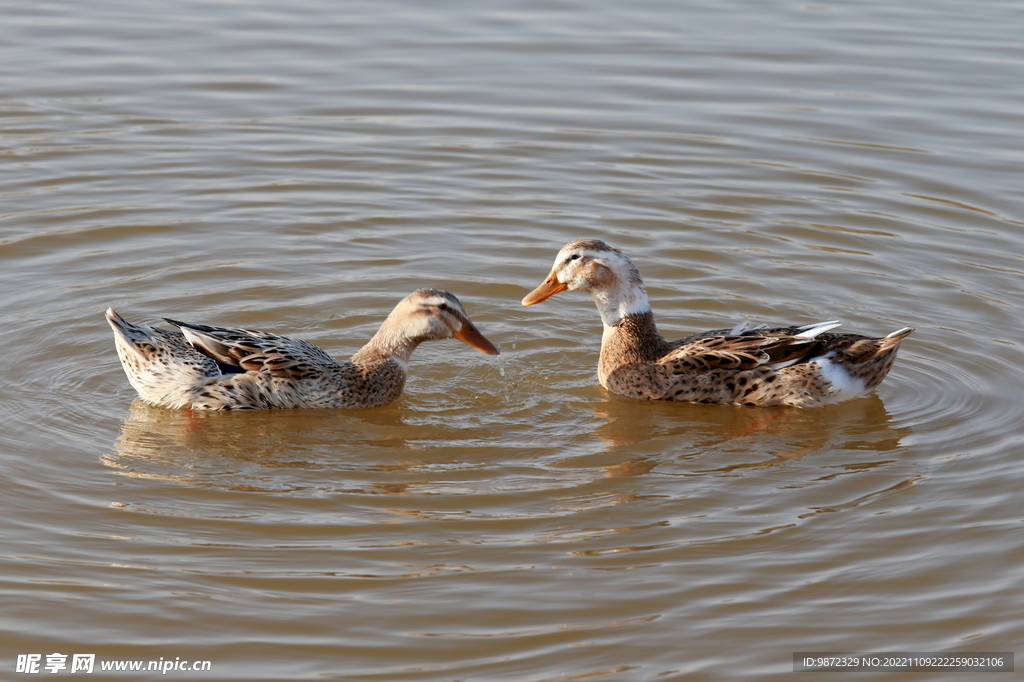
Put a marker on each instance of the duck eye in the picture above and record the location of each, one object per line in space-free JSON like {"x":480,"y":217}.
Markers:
{"x":574,"y":256}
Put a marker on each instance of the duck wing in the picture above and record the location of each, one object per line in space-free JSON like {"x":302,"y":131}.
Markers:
{"x":243,"y":350}
{"x":726,"y":350}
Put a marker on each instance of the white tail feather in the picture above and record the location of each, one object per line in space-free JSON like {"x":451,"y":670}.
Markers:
{"x":844,"y":384}
{"x":741,"y":326}
{"x":812,"y":330}
{"x":745,"y":326}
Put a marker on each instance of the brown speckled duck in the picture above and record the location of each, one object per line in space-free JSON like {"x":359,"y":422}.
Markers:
{"x":210,"y":368}
{"x":800,"y":366}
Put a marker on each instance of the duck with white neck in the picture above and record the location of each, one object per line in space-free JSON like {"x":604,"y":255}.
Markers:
{"x":797,"y":366}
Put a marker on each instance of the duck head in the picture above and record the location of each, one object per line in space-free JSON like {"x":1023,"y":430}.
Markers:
{"x":603,"y":271}
{"x":432,"y":314}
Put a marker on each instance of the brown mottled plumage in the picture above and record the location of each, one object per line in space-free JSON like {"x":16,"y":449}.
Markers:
{"x":211,"y":368}
{"x":800,"y":366}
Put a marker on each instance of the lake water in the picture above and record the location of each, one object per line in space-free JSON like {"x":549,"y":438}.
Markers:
{"x":299,"y":167}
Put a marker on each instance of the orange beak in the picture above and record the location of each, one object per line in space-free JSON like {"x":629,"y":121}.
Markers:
{"x":546,"y":290}
{"x":470,"y":335}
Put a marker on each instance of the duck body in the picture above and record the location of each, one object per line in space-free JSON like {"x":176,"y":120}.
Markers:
{"x":763,"y":366}
{"x":213,"y":368}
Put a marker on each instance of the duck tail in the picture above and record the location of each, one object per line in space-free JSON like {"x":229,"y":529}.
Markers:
{"x":129,"y":336}
{"x":162,"y":366}
{"x":893,"y":340}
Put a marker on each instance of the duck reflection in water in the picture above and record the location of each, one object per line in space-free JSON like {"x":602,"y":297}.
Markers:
{"x":250,"y":450}
{"x":658,"y":435}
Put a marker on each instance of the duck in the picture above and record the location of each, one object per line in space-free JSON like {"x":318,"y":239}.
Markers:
{"x":200,"y":367}
{"x":800,"y":366}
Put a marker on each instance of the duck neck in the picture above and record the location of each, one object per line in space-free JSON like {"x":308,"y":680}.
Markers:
{"x":389,"y":342}
{"x":635,"y":336}
{"x":629,"y":328}
{"x":633,"y":341}
{"x":618,"y":302}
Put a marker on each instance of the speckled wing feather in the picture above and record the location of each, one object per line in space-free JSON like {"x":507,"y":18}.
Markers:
{"x":255,"y":351}
{"x":775,"y":348}
{"x":780,"y":366}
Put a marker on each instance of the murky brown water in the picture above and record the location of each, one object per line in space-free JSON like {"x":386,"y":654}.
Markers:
{"x":300,"y":167}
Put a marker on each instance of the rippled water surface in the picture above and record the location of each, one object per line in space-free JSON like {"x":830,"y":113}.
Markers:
{"x":299,"y":167}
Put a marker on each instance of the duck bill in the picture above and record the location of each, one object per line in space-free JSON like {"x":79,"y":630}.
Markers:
{"x":471,"y":336}
{"x":546,"y":290}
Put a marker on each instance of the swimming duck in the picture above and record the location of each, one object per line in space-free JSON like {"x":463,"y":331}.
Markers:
{"x":799,"y":366}
{"x":211,"y":368}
